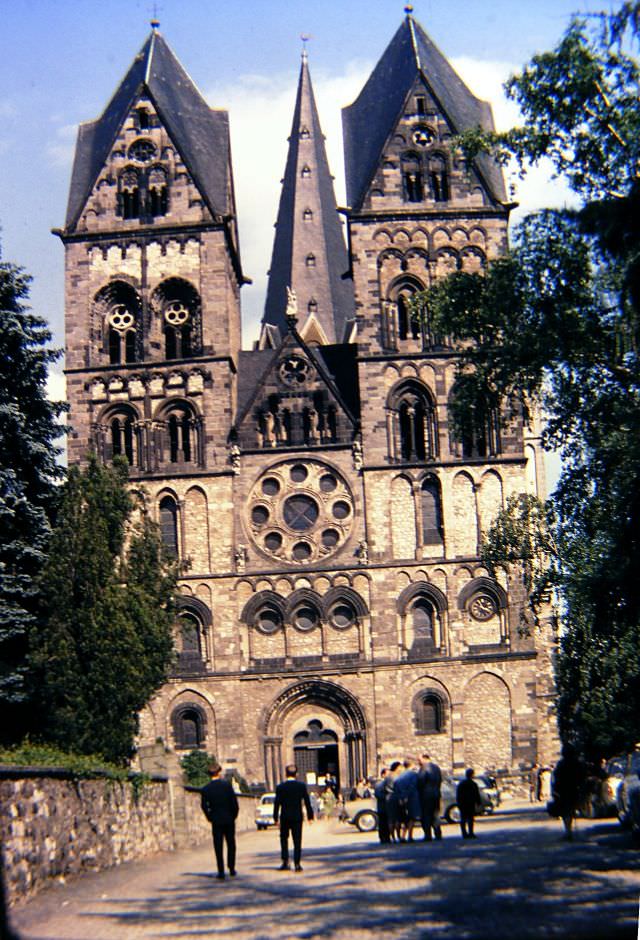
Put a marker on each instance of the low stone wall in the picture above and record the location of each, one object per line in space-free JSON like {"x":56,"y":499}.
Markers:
{"x":52,"y":824}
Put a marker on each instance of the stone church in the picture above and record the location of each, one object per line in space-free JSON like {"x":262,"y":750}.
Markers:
{"x":333,"y":608}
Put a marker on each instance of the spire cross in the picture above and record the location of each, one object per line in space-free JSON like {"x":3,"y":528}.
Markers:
{"x":305,"y":39}
{"x":155,"y":22}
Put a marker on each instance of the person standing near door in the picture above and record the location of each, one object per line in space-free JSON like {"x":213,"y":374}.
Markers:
{"x":291,"y":796}
{"x":220,"y":806}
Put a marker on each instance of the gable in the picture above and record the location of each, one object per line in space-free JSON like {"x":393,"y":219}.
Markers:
{"x":295,"y":402}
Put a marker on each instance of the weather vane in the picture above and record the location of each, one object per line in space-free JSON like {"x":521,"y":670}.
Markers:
{"x":305,"y":39}
{"x":155,"y":22}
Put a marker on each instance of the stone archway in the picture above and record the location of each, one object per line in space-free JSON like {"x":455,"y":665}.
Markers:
{"x":308,"y":701}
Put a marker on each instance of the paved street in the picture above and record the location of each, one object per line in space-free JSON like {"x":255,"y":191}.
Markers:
{"x":517,"y":880}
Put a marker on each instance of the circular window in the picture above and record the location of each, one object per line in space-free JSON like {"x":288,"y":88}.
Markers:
{"x":298,"y":473}
{"x":341,"y":509}
{"x":268,"y":620}
{"x":142,"y":150}
{"x":259,"y":515}
{"x":270,"y":486}
{"x":328,"y":483}
{"x":482,"y":607}
{"x":305,"y":618}
{"x":300,"y":512}
{"x":330,"y":538}
{"x":273,"y":541}
{"x":301,"y":551}
{"x":343,"y":616}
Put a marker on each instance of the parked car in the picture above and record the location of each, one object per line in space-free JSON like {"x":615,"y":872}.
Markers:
{"x":264,"y":811}
{"x":628,"y":798}
{"x":363,"y":813}
{"x":602,"y":789}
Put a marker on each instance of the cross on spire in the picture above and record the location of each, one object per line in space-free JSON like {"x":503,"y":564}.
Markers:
{"x":155,"y":22}
{"x":305,"y":39}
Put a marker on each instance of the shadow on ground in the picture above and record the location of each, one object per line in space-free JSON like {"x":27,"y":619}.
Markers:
{"x":520,"y":883}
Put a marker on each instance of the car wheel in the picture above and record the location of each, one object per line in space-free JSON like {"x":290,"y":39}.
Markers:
{"x":260,"y":826}
{"x":452,"y":813}
{"x":366,"y":821}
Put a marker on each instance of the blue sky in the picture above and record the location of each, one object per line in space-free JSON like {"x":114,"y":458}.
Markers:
{"x":61,"y":61}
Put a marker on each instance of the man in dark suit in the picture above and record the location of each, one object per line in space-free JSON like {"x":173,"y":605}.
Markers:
{"x":220,"y":806}
{"x":290,"y":795}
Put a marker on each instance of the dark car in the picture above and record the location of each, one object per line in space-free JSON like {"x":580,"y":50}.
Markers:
{"x":628,"y":797}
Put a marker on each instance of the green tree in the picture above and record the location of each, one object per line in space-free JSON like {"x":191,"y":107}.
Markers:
{"x":557,"y":322}
{"x":107,"y":641}
{"x":29,"y":428}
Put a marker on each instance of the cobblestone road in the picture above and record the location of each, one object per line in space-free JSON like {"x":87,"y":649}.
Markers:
{"x":517,"y":880}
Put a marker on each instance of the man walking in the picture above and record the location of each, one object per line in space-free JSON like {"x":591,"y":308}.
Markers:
{"x":381,"y":792}
{"x":220,"y":806}
{"x":468,"y":800}
{"x":429,"y":786}
{"x":291,"y":794}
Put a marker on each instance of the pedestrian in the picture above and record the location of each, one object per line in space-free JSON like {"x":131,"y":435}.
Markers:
{"x":567,"y":787}
{"x":220,"y":805}
{"x":429,"y":787}
{"x":393,"y":809}
{"x":534,"y":783}
{"x":468,"y":800}
{"x":406,"y":790}
{"x":381,"y":791}
{"x":291,"y":795}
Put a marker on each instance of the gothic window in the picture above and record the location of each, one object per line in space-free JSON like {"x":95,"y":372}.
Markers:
{"x":422,"y":622}
{"x":438,"y":178}
{"x":189,"y":727}
{"x":305,"y":173}
{"x":420,"y":105}
{"x":268,"y":620}
{"x":169,"y":525}
{"x":312,"y":306}
{"x":144,"y":119}
{"x":307,"y":215}
{"x":431,"y":504}
{"x":415,"y":426}
{"x":177,"y":303}
{"x":428,"y":713}
{"x":157,"y":192}
{"x":129,"y":194}
{"x":121,"y":321}
{"x":304,"y":133}
{"x":117,"y":313}
{"x":406,"y":326}
{"x":310,"y":261}
{"x":412,"y":177}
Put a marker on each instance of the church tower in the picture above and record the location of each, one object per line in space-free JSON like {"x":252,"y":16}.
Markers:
{"x":152,"y":279}
{"x":309,"y":254}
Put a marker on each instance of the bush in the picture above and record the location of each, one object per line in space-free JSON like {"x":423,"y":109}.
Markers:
{"x":195,"y":767}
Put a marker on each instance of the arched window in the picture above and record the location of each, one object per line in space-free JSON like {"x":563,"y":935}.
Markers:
{"x":412,"y":177}
{"x":177,"y":303}
{"x":438,"y":178}
{"x":121,"y":428}
{"x":189,"y":727}
{"x":310,"y":260}
{"x":477,"y":432}
{"x":312,"y":306}
{"x":305,"y":173}
{"x":157,"y":192}
{"x":189,"y":640}
{"x":415,"y":428}
{"x":129,"y":194}
{"x":400,"y":295}
{"x":428,"y":713}
{"x":307,"y":215}
{"x":431,"y":505}
{"x":118,"y":308}
{"x":422,"y":619}
{"x":181,"y":435}
{"x":169,"y":525}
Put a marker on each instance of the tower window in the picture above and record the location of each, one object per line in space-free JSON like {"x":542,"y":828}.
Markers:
{"x":305,"y":172}
{"x":129,"y":194}
{"x":431,"y":512}
{"x":310,"y":261}
{"x":415,"y":424}
{"x":305,"y":134}
{"x":179,"y":426}
{"x":144,"y":121}
{"x":412,"y":178}
{"x":122,"y":437}
{"x":169,"y":525}
{"x":428,"y":714}
{"x":420,"y":105}
{"x":438,"y":178}
{"x":307,"y":215}
{"x":157,"y":193}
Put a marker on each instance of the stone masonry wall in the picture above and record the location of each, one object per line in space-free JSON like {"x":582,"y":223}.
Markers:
{"x":54,"y":826}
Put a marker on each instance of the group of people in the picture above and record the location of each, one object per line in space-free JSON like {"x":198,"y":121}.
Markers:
{"x":408,"y":794}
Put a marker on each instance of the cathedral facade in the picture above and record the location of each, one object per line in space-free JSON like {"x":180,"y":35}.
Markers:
{"x":333,"y":609}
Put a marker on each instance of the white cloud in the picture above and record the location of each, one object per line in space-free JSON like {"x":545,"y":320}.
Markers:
{"x":61,"y":149}
{"x":56,"y":386}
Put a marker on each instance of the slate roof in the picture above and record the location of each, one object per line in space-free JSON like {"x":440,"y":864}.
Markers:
{"x":200,"y":133}
{"x":335,"y":295}
{"x":368,"y":122}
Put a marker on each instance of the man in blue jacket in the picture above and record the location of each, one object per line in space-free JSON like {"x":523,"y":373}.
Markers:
{"x":291,"y":794}
{"x":220,"y":806}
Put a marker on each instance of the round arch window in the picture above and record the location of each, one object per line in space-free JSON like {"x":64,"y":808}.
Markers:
{"x":305,"y":618}
{"x":259,"y":515}
{"x":298,"y":473}
{"x":270,"y":486}
{"x":268,"y":620}
{"x":341,"y":509}
{"x":343,"y":615}
{"x":328,"y":483}
{"x":273,"y":541}
{"x":300,"y":512}
{"x":301,"y":551}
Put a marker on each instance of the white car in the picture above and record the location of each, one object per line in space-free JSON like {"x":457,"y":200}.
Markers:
{"x":264,"y":811}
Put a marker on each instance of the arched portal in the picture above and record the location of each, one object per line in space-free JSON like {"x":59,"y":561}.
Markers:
{"x":315,"y":715}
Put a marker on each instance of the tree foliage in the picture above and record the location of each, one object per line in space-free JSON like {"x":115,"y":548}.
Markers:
{"x":29,"y":428}
{"x":107,"y":642}
{"x":557,"y":323}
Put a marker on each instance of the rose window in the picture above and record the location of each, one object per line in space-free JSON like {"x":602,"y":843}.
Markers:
{"x":175,"y":313}
{"x":300,"y":512}
{"x":142,"y":151}
{"x":121,"y":319}
{"x":294,"y":370}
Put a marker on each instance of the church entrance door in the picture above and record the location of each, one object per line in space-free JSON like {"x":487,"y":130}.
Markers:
{"x":315,"y":751}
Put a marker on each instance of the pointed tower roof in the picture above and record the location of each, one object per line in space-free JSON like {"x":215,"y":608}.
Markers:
{"x":200,"y":133}
{"x":309,"y":253}
{"x":368,"y":122}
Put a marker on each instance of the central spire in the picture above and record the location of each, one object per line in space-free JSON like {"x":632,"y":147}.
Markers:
{"x":309,"y":253}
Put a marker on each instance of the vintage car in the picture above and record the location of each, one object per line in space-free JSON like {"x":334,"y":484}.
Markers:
{"x":264,"y":811}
